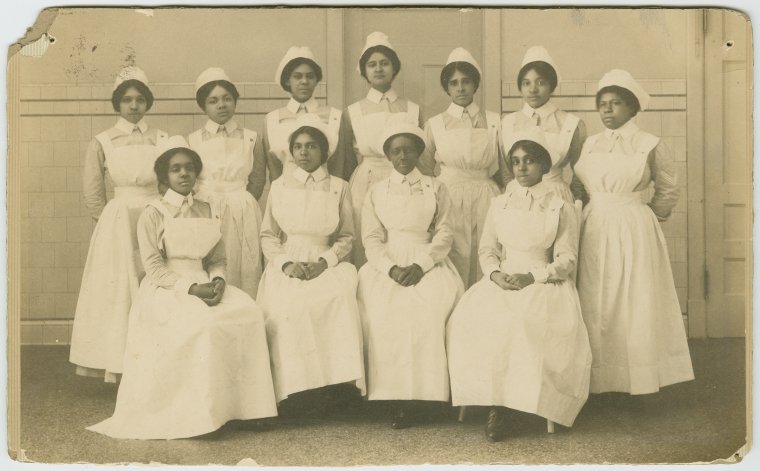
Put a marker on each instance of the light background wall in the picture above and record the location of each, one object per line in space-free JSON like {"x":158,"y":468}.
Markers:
{"x":65,"y":96}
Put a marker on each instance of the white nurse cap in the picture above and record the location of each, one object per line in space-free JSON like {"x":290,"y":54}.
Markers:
{"x":533,"y":134}
{"x":461,"y":54}
{"x":295,"y":52}
{"x":212,"y":74}
{"x":172,"y":142}
{"x":130,"y":73}
{"x":623,"y":79}
{"x":374,"y":39}
{"x":400,"y":127}
{"x":539,"y":54}
{"x":313,"y":121}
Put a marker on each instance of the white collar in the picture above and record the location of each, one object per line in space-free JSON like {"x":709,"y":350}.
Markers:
{"x":543,"y":111}
{"x":375,"y":96}
{"x":311,"y":105}
{"x":537,"y":191}
{"x":175,"y":199}
{"x":625,"y":131}
{"x":457,"y":111}
{"x":213,"y":127}
{"x":412,"y":177}
{"x":301,"y":175}
{"x":126,"y":127}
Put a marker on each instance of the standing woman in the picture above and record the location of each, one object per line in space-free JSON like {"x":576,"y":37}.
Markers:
{"x":234,"y":176}
{"x":464,"y":140}
{"x":565,"y":133}
{"x":298,"y":74}
{"x":113,"y":270}
{"x":196,"y":354}
{"x":408,"y":287}
{"x":625,"y":283}
{"x":365,"y":122}
{"x":308,"y":292}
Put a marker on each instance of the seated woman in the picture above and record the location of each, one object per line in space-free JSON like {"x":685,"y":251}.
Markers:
{"x":517,"y":338}
{"x":308,"y":291}
{"x":409,"y":286}
{"x":196,"y":352}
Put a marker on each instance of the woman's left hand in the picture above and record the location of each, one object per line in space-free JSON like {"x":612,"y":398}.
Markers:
{"x":219,"y":285}
{"x":521,"y":280}
{"x":314,"y":269}
{"x":411,"y":275}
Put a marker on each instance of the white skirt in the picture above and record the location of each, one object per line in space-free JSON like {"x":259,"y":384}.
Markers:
{"x":313,"y":328}
{"x":189,"y":368}
{"x":527,"y":350}
{"x":405,"y":329}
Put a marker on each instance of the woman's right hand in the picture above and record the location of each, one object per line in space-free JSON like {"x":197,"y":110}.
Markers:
{"x":295,"y":270}
{"x":204,"y":291}
{"x":500,"y":278}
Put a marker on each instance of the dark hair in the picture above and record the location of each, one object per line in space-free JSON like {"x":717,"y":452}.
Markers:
{"x":543,"y":69}
{"x":384,"y":50}
{"x":315,"y":134}
{"x":536,"y":150}
{"x":626,"y":95}
{"x":121,"y":90}
{"x":292,"y":65}
{"x":161,"y":167}
{"x":205,"y":91}
{"x":465,"y":67}
{"x":417,"y":141}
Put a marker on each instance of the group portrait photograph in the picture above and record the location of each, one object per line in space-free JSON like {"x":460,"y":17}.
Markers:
{"x":380,"y":235}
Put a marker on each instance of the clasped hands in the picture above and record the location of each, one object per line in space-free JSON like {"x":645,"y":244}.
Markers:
{"x":305,"y":270}
{"x":406,"y":276}
{"x":210,"y":293}
{"x":516,"y":281}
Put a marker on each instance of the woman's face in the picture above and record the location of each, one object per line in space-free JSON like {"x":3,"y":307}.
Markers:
{"x":133,"y":105}
{"x":302,"y":82}
{"x":536,"y":90}
{"x":461,"y":89}
{"x":307,"y":153}
{"x":182,"y":173}
{"x":219,"y":105}
{"x":403,"y":153}
{"x":526,"y":168}
{"x":614,"y":111}
{"x":379,"y":71}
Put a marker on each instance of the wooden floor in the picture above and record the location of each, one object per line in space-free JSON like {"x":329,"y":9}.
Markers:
{"x":703,"y":420}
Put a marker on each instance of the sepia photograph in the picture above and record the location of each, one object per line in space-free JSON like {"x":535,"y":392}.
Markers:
{"x":380,"y":235}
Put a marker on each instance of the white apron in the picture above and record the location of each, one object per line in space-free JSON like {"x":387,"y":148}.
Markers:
{"x":278,"y":133}
{"x":625,"y":281}
{"x":189,"y":368}
{"x":527,"y":349}
{"x":468,"y":158}
{"x":373,"y":164}
{"x":560,"y":144}
{"x":113,"y":269}
{"x":405,"y":327}
{"x":313,"y":326}
{"x":227,"y":163}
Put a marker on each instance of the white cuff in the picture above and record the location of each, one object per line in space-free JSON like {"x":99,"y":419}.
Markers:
{"x":281,"y":260}
{"x":384,"y":265}
{"x":425,"y":262}
{"x":183,"y":285}
{"x":216,"y":273}
{"x":540,"y":275}
{"x":330,"y":258}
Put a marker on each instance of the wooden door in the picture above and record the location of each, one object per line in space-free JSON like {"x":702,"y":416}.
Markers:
{"x":728,"y":172}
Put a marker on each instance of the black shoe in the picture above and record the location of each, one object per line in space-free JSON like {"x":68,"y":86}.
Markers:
{"x":496,"y":425}
{"x":401,"y":420}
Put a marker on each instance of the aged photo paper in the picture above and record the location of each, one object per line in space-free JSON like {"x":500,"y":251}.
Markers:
{"x":696,"y":65}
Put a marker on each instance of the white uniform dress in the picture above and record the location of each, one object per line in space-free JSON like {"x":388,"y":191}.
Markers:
{"x":407,"y":221}
{"x":526,"y":349}
{"x":113,"y":269}
{"x":368,"y":118}
{"x":188,"y":368}
{"x":625,"y":282}
{"x":313,"y":326}
{"x":564,"y":133}
{"x":281,"y":123}
{"x":467,"y":148}
{"x":228,"y":169}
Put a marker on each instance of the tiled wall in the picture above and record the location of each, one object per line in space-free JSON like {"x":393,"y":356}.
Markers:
{"x":57,"y":123}
{"x":666,"y":117}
